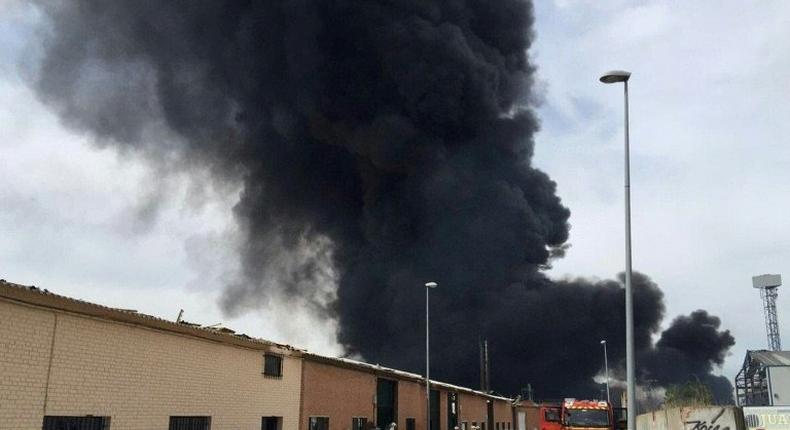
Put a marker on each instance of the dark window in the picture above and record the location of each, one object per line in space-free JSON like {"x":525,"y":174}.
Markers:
{"x":190,"y":423}
{"x":452,"y":410}
{"x":271,"y":423}
{"x":483,"y":426}
{"x":76,"y":423}
{"x":497,"y":426}
{"x":552,"y":415}
{"x":464,"y":425}
{"x":435,"y":411}
{"x":410,"y":424}
{"x":272,"y":365}
{"x":318,"y":423}
{"x":386,"y":402}
{"x":358,"y":423}
{"x":587,"y":417}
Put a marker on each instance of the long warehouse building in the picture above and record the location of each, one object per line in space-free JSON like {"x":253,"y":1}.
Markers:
{"x":69,"y":364}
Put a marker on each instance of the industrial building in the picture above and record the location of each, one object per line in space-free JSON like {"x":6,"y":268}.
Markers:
{"x":764,"y":379}
{"x":350,"y":393}
{"x":70,"y":364}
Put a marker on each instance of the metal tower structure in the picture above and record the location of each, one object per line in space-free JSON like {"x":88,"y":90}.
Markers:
{"x":769,"y":286}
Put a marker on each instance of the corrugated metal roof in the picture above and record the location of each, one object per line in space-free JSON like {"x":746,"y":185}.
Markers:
{"x":771,"y":358}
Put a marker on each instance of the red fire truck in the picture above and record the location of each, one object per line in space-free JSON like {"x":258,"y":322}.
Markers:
{"x":574,"y":414}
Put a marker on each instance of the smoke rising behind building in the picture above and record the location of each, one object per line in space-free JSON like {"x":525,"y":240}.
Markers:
{"x":379,"y":144}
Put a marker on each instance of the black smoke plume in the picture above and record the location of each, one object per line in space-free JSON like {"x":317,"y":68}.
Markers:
{"x":693,"y":345}
{"x":379,"y":144}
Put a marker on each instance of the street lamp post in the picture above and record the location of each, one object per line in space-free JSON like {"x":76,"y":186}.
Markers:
{"x":611,"y":78}
{"x":606,"y":366}
{"x":428,"y":287}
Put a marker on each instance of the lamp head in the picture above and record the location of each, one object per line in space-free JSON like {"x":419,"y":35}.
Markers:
{"x":615,"y":76}
{"x":603,"y":342}
{"x":431,"y":284}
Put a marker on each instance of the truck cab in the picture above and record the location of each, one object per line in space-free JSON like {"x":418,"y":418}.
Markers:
{"x":586,"y":415}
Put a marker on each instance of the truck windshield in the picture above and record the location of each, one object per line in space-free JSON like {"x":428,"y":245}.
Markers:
{"x":587,"y":418}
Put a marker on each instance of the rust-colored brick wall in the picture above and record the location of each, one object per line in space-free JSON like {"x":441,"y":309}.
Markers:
{"x":411,"y":404}
{"x":340,"y":393}
{"x":473,"y":409}
{"x":503,"y":413}
{"x":136,"y":375}
{"x":336,"y":392}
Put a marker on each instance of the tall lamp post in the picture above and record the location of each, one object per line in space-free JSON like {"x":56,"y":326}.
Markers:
{"x":606,"y":366}
{"x":428,"y":287}
{"x":612,"y":77}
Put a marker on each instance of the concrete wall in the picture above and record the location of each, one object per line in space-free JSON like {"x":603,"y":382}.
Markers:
{"x":692,"y":418}
{"x":58,"y":363}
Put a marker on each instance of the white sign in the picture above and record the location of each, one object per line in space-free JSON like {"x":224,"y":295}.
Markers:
{"x":767,"y":418}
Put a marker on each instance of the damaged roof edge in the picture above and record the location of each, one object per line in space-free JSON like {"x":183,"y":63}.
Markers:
{"x":34,"y":296}
{"x":394,"y":374}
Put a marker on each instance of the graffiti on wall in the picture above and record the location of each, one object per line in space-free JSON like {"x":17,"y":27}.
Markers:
{"x":693,"y":418}
{"x":704,"y":424}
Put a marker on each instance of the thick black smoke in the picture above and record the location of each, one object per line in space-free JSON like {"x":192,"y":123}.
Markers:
{"x":688,"y":350}
{"x":380,"y":144}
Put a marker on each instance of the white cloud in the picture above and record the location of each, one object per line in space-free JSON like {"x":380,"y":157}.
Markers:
{"x":708,"y":130}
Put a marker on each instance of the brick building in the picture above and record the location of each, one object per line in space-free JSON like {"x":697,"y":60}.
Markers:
{"x":342,"y":394}
{"x":70,"y":364}
{"x":65,"y":361}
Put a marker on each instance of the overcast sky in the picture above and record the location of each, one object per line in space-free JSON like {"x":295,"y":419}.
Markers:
{"x":710,"y":169}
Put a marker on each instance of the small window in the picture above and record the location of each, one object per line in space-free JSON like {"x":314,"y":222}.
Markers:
{"x":190,"y":423}
{"x":464,"y":425}
{"x":358,"y":423}
{"x":76,"y":423}
{"x":483,"y":424}
{"x":552,"y":415}
{"x":272,"y":365}
{"x":497,"y":426}
{"x":271,"y":423}
{"x":411,"y":424}
{"x":318,"y":423}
